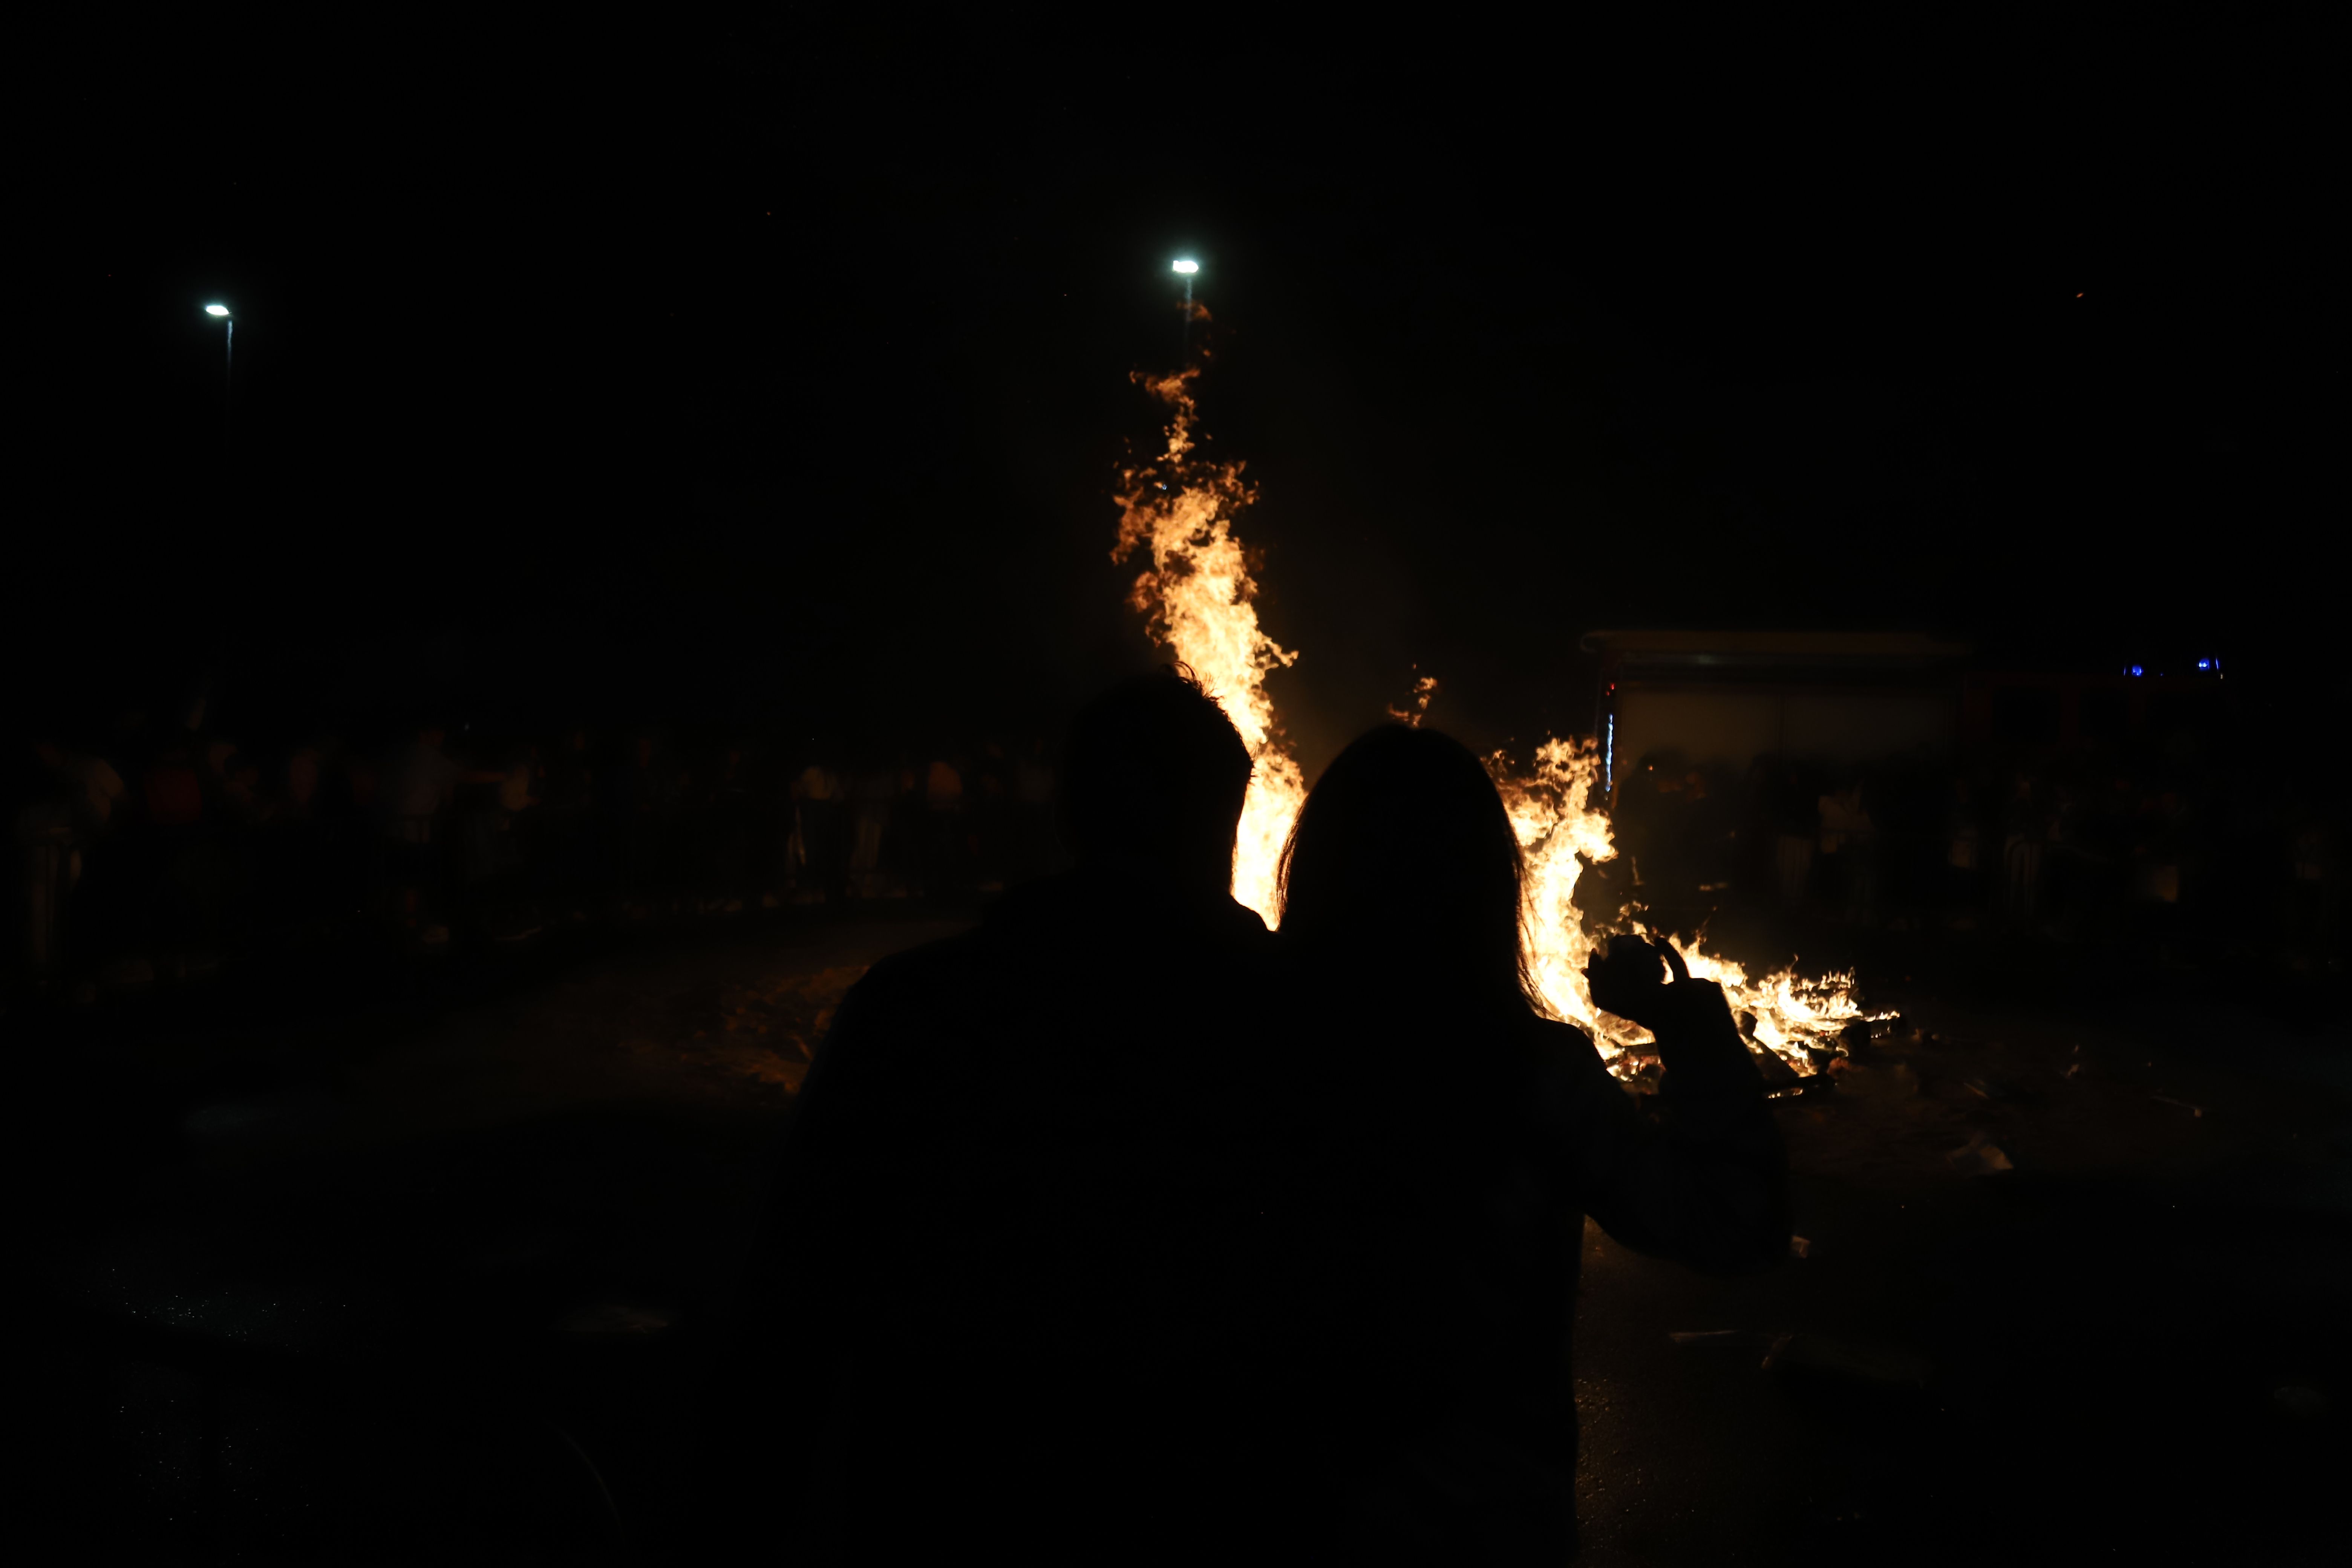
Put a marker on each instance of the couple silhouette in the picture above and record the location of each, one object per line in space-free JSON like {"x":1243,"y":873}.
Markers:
{"x":1120,"y":1229}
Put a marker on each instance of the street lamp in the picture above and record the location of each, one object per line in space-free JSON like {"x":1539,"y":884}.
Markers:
{"x":228,"y":360}
{"x":1185,"y":269}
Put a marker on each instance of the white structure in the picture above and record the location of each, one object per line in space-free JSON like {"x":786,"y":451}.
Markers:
{"x":1730,"y":697}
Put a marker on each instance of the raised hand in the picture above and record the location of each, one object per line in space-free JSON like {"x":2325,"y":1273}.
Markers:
{"x":1642,"y":980}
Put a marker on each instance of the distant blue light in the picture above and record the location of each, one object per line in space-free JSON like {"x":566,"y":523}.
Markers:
{"x":2137,"y":671}
{"x":2204,"y":663}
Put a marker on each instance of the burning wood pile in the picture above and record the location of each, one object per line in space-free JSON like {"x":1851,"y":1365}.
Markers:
{"x":1198,"y":594}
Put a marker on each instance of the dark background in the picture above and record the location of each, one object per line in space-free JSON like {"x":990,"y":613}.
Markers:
{"x":664,"y":374}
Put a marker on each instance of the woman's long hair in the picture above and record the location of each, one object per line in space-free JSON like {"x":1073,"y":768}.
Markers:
{"x":1402,"y":866}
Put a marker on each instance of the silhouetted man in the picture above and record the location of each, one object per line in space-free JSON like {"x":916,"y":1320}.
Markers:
{"x":980,"y":1314}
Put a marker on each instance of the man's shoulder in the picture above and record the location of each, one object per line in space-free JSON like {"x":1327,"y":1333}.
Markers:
{"x":931,"y":971}
{"x":917,"y":964}
{"x":1064,"y":919}
{"x":1559,"y":1045}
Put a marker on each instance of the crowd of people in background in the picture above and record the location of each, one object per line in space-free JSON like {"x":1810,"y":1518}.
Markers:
{"x":167,"y":846}
{"x":163,"y":847}
{"x":2100,"y":848}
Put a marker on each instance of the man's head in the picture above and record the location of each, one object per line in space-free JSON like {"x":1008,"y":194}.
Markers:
{"x":1155,"y":780}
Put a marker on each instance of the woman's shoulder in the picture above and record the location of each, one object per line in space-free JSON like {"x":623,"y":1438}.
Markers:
{"x":1559,"y":1049}
{"x":1555,"y":1035}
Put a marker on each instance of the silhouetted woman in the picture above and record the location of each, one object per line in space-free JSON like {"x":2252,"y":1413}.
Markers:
{"x":1450,"y":1140}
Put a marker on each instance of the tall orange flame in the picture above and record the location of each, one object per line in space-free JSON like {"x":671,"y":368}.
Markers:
{"x":1561,"y":829}
{"x":1196,"y":594}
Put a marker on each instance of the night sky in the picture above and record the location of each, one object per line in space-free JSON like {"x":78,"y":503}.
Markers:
{"x":665,"y":374}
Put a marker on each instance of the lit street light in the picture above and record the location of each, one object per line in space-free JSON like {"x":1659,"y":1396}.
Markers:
{"x":1185,"y":269}
{"x":228,"y":361}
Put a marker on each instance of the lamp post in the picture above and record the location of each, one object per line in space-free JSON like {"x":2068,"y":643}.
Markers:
{"x":228,"y":361}
{"x":1185,"y":269}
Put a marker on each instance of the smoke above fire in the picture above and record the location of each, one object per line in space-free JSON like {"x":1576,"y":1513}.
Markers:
{"x":1197,"y":596}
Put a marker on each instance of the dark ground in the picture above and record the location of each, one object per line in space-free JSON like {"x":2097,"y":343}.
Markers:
{"x":432,"y":1267}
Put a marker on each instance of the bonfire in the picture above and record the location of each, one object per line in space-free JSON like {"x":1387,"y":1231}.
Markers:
{"x":1179,"y":509}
